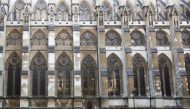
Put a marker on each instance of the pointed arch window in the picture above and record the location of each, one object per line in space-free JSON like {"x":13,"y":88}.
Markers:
{"x":39,"y":39}
{"x":88,"y":39}
{"x":164,"y":69}
{"x":114,"y":69}
{"x":161,"y":38}
{"x":14,"y":39}
{"x":185,"y":38}
{"x":84,"y":11}
{"x":187,"y":67}
{"x":62,"y":11}
{"x":88,"y":76}
{"x":113,"y":38}
{"x":64,"y":69}
{"x":137,"y":39}
{"x":139,"y":75}
{"x":13,"y":68}
{"x":39,"y":75}
{"x":63,"y":39}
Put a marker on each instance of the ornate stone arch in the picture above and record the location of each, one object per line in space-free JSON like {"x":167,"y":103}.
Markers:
{"x":185,"y":36}
{"x":62,"y":11}
{"x":40,"y":10}
{"x":165,"y":68}
{"x":114,"y":70}
{"x":89,"y":77}
{"x":139,"y":72}
{"x":113,"y":38}
{"x":13,"y":67}
{"x":14,"y":38}
{"x":84,"y":11}
{"x":88,"y":38}
{"x":38,"y":67}
{"x":63,"y":39}
{"x":39,"y":39}
{"x":137,"y":38}
{"x":64,"y":68}
{"x":162,"y":38}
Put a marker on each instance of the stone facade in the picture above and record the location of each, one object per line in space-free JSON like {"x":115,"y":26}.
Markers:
{"x":92,"y":54}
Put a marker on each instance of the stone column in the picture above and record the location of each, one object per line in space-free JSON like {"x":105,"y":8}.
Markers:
{"x":25,"y":66}
{"x":51,"y":65}
{"x":149,"y":31}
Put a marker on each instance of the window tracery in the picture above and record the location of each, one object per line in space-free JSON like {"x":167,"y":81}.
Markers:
{"x":13,"y":67}
{"x":40,"y":10}
{"x":185,"y":38}
{"x":137,"y":39}
{"x":39,"y":69}
{"x":88,"y":76}
{"x":106,"y":10}
{"x":63,"y":38}
{"x":113,"y":38}
{"x":88,"y":39}
{"x":64,"y":68}
{"x":39,"y":39}
{"x":161,"y":38}
{"x":14,"y":39}
{"x":114,"y":75}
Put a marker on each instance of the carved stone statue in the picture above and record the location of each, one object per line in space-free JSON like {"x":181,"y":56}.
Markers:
{"x":101,"y":19}
{"x":76,"y":13}
{"x":2,"y":14}
{"x":26,"y":15}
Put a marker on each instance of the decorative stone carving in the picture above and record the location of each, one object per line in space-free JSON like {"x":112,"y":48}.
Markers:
{"x":88,"y":39}
{"x":84,"y":11}
{"x":41,"y":5}
{"x":113,"y":38}
{"x":39,"y":39}
{"x":2,"y":14}
{"x":14,"y":39}
{"x":63,"y":39}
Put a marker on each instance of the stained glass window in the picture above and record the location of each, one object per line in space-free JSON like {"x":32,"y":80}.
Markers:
{"x":162,"y":39}
{"x":39,"y":68}
{"x":88,"y":39}
{"x":88,"y":76}
{"x":113,"y":38}
{"x":114,"y":75}
{"x":64,"y":68}
{"x":137,"y":39}
{"x":40,"y":10}
{"x":139,"y":75}
{"x":185,"y":38}
{"x":13,"y":67}
{"x":165,"y":76}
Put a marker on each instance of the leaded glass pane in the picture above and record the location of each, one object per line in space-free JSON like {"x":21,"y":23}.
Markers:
{"x":84,"y":11}
{"x":63,"y":38}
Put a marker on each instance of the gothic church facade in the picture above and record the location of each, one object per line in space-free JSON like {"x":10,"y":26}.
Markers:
{"x":92,"y":54}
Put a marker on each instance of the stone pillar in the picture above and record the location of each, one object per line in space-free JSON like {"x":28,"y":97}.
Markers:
{"x":25,"y":66}
{"x":149,"y":31}
{"x":51,"y":65}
